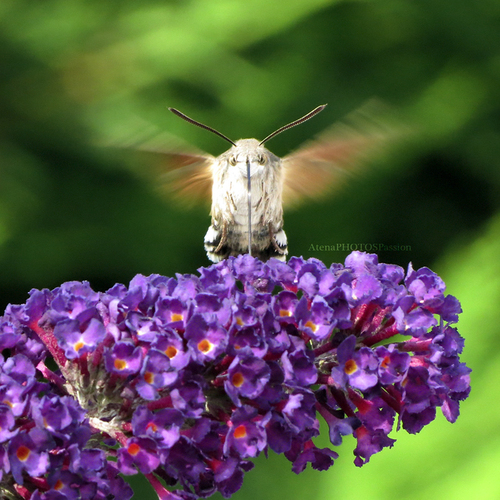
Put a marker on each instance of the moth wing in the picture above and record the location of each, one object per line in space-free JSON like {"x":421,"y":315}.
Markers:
{"x":323,"y":164}
{"x":185,"y":176}
{"x":175,"y":168}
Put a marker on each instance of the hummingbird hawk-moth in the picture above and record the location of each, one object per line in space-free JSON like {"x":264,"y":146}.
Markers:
{"x":249,"y":185}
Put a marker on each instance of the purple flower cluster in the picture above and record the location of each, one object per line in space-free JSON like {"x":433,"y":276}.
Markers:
{"x":186,"y":379}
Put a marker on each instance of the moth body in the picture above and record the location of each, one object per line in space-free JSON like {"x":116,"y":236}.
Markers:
{"x":228,"y":233}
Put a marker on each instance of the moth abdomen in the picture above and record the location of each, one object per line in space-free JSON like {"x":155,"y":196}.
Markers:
{"x":222,"y":243}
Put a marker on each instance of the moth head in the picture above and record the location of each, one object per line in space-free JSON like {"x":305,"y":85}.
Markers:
{"x":248,"y":155}
{"x":261,"y":159}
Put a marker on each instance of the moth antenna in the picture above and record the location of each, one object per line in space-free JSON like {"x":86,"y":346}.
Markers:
{"x":309,"y":115}
{"x":198,"y":124}
{"x":249,"y":198}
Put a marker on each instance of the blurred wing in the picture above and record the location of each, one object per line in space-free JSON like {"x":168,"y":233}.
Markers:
{"x":184,"y":176}
{"x":177,"y":170}
{"x":323,"y":164}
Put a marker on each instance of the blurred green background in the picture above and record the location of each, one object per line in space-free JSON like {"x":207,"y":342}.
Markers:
{"x":77,"y":74}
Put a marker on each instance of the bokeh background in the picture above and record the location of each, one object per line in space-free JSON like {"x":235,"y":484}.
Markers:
{"x":78,"y":75}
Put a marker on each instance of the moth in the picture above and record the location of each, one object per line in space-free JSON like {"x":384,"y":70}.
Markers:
{"x":249,"y":185}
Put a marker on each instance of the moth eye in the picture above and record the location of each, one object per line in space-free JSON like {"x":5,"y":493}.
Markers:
{"x":261,"y":159}
{"x":232,"y":160}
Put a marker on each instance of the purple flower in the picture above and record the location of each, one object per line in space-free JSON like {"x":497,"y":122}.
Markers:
{"x":189,"y":398}
{"x":316,"y":319}
{"x":138,"y":452}
{"x":392,"y":364}
{"x":76,"y":339}
{"x":86,"y":459}
{"x":426,"y":286}
{"x":28,"y":451}
{"x":284,"y":305}
{"x":369,"y":443}
{"x":172,"y":312}
{"x":163,"y":426}
{"x":356,"y":368}
{"x":300,"y":414}
{"x":247,"y":378}
{"x":16,"y":383}
{"x":60,"y":416}
{"x":206,"y":340}
{"x":320,"y":459}
{"x":299,"y":367}
{"x":156,"y":374}
{"x":339,"y":427}
{"x":7,"y":422}
{"x":187,"y":379}
{"x":171,"y":344}
{"x":247,"y":434}
{"x":124,"y":359}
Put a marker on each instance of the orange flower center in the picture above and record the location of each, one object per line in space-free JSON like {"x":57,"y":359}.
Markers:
{"x":79,"y":345}
{"x":205,"y":346}
{"x":133,"y":449}
{"x":240,"y":432}
{"x":171,"y":351}
{"x":350,"y":366}
{"x":23,"y":452}
{"x":120,"y":364}
{"x":312,"y":326}
{"x":238,"y":379}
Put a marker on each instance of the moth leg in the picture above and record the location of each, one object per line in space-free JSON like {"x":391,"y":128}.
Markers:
{"x":281,"y":250}
{"x":276,"y":246}
{"x":223,"y":238}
